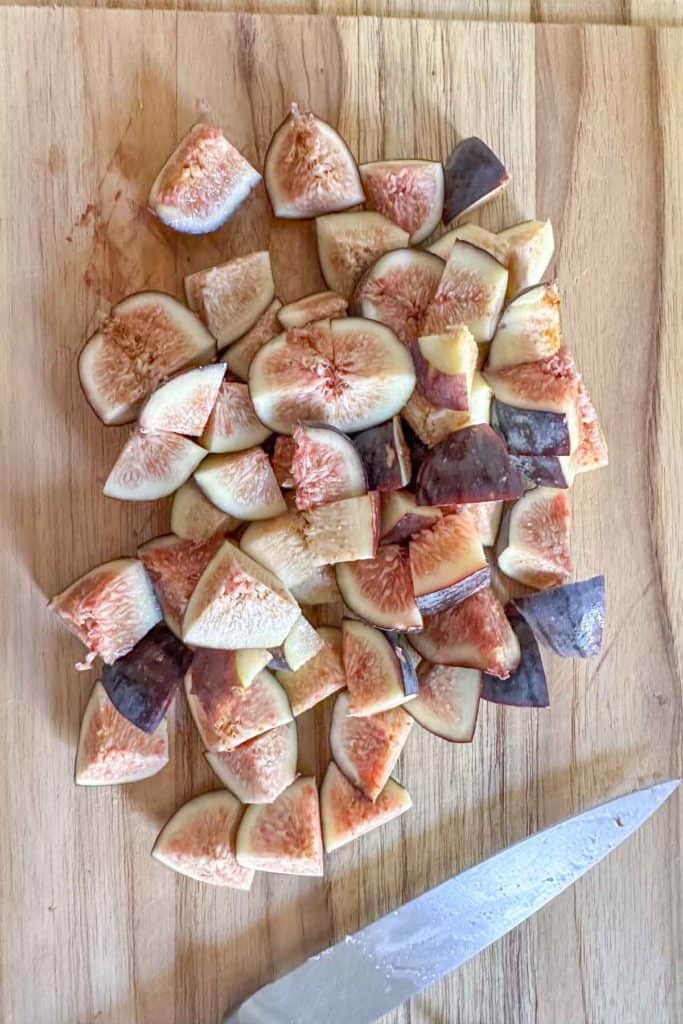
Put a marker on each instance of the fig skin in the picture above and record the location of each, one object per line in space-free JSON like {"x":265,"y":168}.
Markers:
{"x":569,"y":619}
{"x":469,"y":465}
{"x":385,"y":456}
{"x":545,"y":470}
{"x":473,"y":175}
{"x":527,"y":686}
{"x":531,"y":431}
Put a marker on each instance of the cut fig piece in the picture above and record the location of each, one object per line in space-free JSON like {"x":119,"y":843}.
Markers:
{"x":447,"y":703}
{"x":473,"y":233}
{"x":529,"y":328}
{"x":142,"y":683}
{"x":260,"y":769}
{"x":417,"y":448}
{"x":546,"y":470}
{"x":447,"y":563}
{"x":183,"y":404}
{"x":529,"y":248}
{"x":238,"y":604}
{"x":111,"y":751}
{"x":343,"y":531}
{"x":320,"y":587}
{"x":536,"y":549}
{"x":284,"y":837}
{"x":152,"y":464}
{"x":194,"y":518}
{"x":487,"y":517}
{"x":309,"y":169}
{"x":318,"y":678}
{"x":174,"y":567}
{"x":229,"y":715}
{"x":347,"y":813}
{"x":349,"y":243}
{"x":527,"y":686}
{"x":445,"y":365}
{"x":242,"y":484}
{"x":326,"y":466}
{"x":531,"y":431}
{"x":473,"y":634}
{"x":591,"y":450}
{"x":146,"y":338}
{"x":481,"y":397}
{"x":468,"y":466}
{"x":397,"y":290}
{"x":471,"y":292}
{"x":109,"y":609}
{"x":200,"y":841}
{"x":349,"y":373}
{"x":233,"y":425}
{"x":473,"y":175}
{"x":281,"y":460}
{"x":407,"y":192}
{"x":239,"y":355}
{"x":366,"y":749}
{"x":379,"y":674}
{"x":203,"y":183}
{"x":280,"y":546}
{"x":402,"y":517}
{"x":385,"y":456}
{"x":319,"y":306}
{"x":231,"y":297}
{"x":430,"y":422}
{"x":301,"y":644}
{"x":570,"y":620}
{"x":546,"y":384}
{"x":380,"y":589}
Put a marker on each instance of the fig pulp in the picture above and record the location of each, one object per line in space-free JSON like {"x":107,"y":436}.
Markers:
{"x":347,"y":813}
{"x":379,"y":675}
{"x":281,"y":460}
{"x":447,"y":562}
{"x":326,"y":466}
{"x":407,"y":192}
{"x":385,"y":456}
{"x":231,"y":297}
{"x":529,"y":248}
{"x":570,"y":619}
{"x":348,"y":243}
{"x":233,"y":425}
{"x":183,"y":404}
{"x":473,"y":175}
{"x":445,"y":365}
{"x":397,"y":290}
{"x":469,"y":465}
{"x":473,"y":233}
{"x":447,"y":703}
{"x":366,"y":749}
{"x":194,"y":518}
{"x":536,"y":551}
{"x":527,"y":686}
{"x":174,"y":567}
{"x":320,"y":306}
{"x":260,"y":769}
{"x":320,"y":587}
{"x":242,"y":484}
{"x":471,"y":292}
{"x":280,"y":546}
{"x":152,"y":464}
{"x":301,"y":644}
{"x":380,"y":590}
{"x":529,"y":328}
{"x":343,"y":531}
{"x":285,"y":836}
{"x":402,"y":517}
{"x":487,"y":517}
{"x":239,"y":355}
{"x":531,"y":431}
{"x":318,"y":678}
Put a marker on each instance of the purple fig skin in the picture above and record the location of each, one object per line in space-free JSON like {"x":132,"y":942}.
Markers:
{"x":527,"y":686}
{"x":544,"y":470}
{"x":473,"y":172}
{"x":278,"y":662}
{"x":570,"y":619}
{"x":417,"y":448}
{"x":470,"y":465}
{"x":430,"y":604}
{"x":385,"y":456}
{"x":531,"y":431}
{"x":410,"y":684}
{"x":407,"y":527}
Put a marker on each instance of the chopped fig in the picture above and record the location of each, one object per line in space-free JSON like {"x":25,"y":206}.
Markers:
{"x":529,"y":328}
{"x":527,"y":686}
{"x":326,"y":466}
{"x":591,"y":451}
{"x":193,"y":517}
{"x":183,"y":404}
{"x":417,"y":448}
{"x":447,"y":703}
{"x":260,"y":769}
{"x":240,"y":354}
{"x":200,"y":841}
{"x":481,"y":396}
{"x":398,"y":288}
{"x":281,"y":460}
{"x":447,"y":563}
{"x":152,"y":464}
{"x":242,"y":484}
{"x":473,"y":176}
{"x":471,"y":292}
{"x":142,"y":683}
{"x":227,"y":715}
{"x":445,"y":365}
{"x":487,"y":516}
{"x":402,"y":517}
{"x":343,"y":531}
{"x":231,"y":297}
{"x":109,"y":609}
{"x":111,"y":751}
{"x":546,"y":384}
{"x":347,"y":813}
{"x":203,"y":183}
{"x":309,"y":169}
{"x":531,"y":431}
{"x":349,"y":373}
{"x":320,"y":587}
{"x":379,"y":675}
{"x":301,"y":644}
{"x":348,"y":243}
{"x":318,"y":678}
{"x":385,"y":456}
{"x":284,"y":837}
{"x":277,"y":661}
{"x":536,"y":548}
{"x":366,"y":749}
{"x":380,"y":589}
{"x":474,"y":633}
{"x":320,"y":306}
{"x":145,"y":339}
{"x":408,"y":192}
{"x":473,"y":233}
{"x":174,"y":567}
{"x":470,"y":465}
{"x":238,"y":604}
{"x":233,"y":424}
{"x":546,"y":470}
{"x":529,"y":248}
{"x":280,"y":545}
{"x":569,"y":620}
{"x":429,"y":422}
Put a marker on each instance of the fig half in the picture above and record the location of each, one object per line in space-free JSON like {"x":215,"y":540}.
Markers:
{"x":366,"y":749}
{"x":348,"y":243}
{"x":260,"y":769}
{"x":347,"y":813}
{"x":231,"y":297}
{"x":233,"y":424}
{"x":174,"y":567}
{"x":326,"y":466}
{"x":380,"y":589}
{"x":379,"y":675}
{"x":183,"y":404}
{"x":385,"y":455}
{"x":408,"y":192}
{"x":242,"y":484}
{"x":473,"y":175}
{"x":319,"y":306}
{"x":447,"y":562}
{"x":471,"y":292}
{"x":194,"y":518}
{"x":469,"y":465}
{"x":152,"y":464}
{"x":529,"y":248}
{"x":239,"y":355}
{"x":447,"y":703}
{"x":529,"y":328}
{"x":318,"y":678}
{"x":397,"y":290}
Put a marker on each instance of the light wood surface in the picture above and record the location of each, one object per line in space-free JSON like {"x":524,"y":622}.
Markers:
{"x":589,"y":122}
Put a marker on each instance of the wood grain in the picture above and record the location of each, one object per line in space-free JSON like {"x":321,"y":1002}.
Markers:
{"x":589,"y":121}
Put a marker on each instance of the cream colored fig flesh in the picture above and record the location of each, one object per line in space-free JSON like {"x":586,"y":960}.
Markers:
{"x":535,"y":542}
{"x":152,"y":464}
{"x":529,"y":328}
{"x":319,"y":306}
{"x":530,"y":247}
{"x":193,"y":517}
{"x":343,"y":531}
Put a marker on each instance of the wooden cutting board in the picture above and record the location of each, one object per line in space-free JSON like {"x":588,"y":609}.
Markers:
{"x":589,"y":123}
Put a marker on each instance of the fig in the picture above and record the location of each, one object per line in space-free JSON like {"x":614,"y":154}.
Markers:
{"x":193,"y":517}
{"x":546,"y":470}
{"x":285,"y":836}
{"x":471,"y":292}
{"x":231,"y":297}
{"x":531,"y":431}
{"x":445,"y":365}
{"x":145,"y":339}
{"x":309,"y":169}
{"x":241,"y":484}
{"x":447,"y":562}
{"x":200,"y":841}
{"x":347,"y":813}
{"x":111,"y":751}
{"x":529,"y":328}
{"x":326,"y":466}
{"x":233,"y":424}
{"x":320,"y":306}
{"x":301,"y":644}
{"x":203,"y":183}
{"x":366,"y":749}
{"x":447,"y":703}
{"x":407,"y":192}
{"x":349,"y":243}
{"x":468,"y":466}
{"x":227,"y":715}
{"x":349,"y":373}
{"x":430,"y":423}
{"x":318,"y":678}
{"x":239,"y":355}
{"x":320,"y":587}
{"x":472,"y":634}
{"x":397,"y":290}
{"x":380,"y":590}
{"x":527,"y":686}
{"x":487,"y":517}
{"x":152,"y":464}
{"x":174,"y":566}
{"x":481,"y":396}
{"x":546,"y":384}
{"x":280,"y":546}
{"x":343,"y":531}
{"x":529,"y":248}
{"x":385,"y":456}
{"x":379,"y":675}
{"x":570,"y":620}
{"x":183,"y":404}
{"x":142,"y":683}
{"x":473,"y":233}
{"x":109,"y":609}
{"x":260,"y":769}
{"x":281,"y":460}
{"x":473,"y":175}
{"x":536,"y":548}
{"x":591,"y":451}
{"x":402,"y":517}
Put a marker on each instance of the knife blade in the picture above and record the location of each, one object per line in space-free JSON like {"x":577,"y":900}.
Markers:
{"x":367,"y":974}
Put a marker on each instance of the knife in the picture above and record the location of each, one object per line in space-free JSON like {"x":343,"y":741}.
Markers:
{"x":372,"y":972}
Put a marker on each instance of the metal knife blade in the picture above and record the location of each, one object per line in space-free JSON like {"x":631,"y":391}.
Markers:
{"x":370,"y":973}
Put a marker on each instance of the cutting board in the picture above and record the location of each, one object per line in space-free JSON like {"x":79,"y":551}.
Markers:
{"x":589,"y":124}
